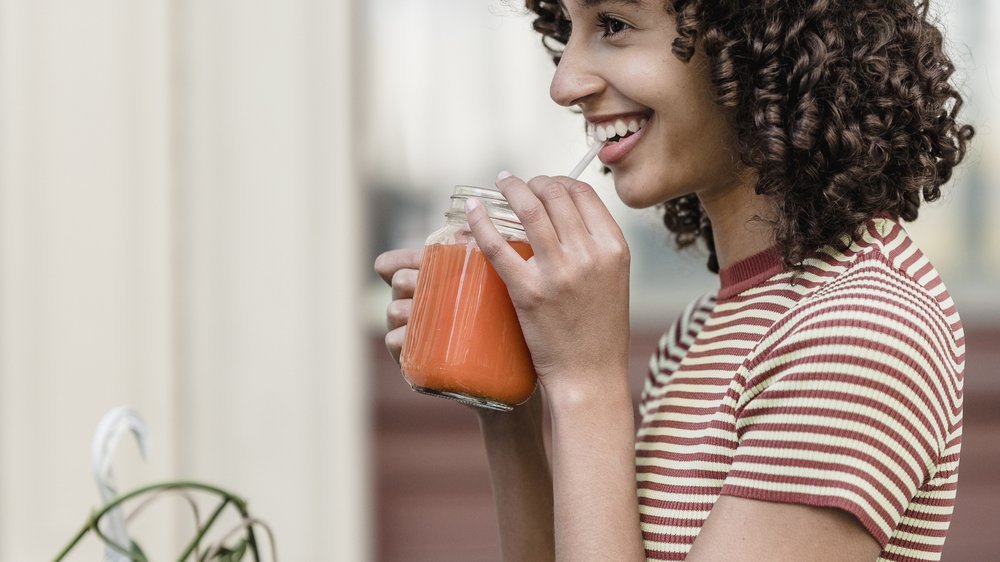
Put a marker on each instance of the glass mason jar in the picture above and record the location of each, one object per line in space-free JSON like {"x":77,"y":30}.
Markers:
{"x":463,"y":340}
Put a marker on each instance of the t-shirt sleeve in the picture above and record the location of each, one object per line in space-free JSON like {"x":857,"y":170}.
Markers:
{"x":846,"y":406}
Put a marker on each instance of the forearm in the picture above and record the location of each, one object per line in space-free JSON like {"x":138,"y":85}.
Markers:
{"x":522,"y":481}
{"x":596,"y":510}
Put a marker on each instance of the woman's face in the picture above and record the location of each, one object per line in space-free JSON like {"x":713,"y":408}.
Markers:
{"x":618,"y":67}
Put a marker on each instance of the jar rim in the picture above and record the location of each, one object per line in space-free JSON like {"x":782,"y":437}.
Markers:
{"x":495,"y":204}
{"x":489,"y":193}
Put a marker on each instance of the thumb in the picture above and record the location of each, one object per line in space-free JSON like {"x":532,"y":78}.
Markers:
{"x":506,"y":261}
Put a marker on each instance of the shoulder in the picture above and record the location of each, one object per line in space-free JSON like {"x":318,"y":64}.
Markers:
{"x":880,"y":328}
{"x":873,"y":312}
{"x":884,"y":263}
{"x":882,"y":285}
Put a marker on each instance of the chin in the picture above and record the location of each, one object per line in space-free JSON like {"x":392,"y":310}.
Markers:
{"x":634,"y":196}
{"x":642,"y":189}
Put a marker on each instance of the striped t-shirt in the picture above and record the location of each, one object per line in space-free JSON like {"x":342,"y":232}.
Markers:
{"x":837,"y":386}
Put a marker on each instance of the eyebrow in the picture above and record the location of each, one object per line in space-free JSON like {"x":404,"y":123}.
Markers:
{"x":592,"y":3}
{"x":595,"y":3}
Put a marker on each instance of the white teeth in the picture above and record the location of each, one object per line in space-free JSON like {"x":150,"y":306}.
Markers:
{"x":620,"y":127}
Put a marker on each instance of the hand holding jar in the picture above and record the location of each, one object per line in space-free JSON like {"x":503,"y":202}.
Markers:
{"x":571,"y":297}
{"x":463,"y":340}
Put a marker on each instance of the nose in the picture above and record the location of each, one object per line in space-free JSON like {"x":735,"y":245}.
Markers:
{"x":575,"y":79}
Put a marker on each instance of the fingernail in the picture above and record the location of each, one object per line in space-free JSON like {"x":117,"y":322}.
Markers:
{"x":504,"y":174}
{"x":471,"y":204}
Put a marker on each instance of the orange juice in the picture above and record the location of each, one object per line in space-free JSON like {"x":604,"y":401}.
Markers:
{"x":463,"y":340}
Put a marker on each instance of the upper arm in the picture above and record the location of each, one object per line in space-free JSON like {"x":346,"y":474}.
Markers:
{"x":775,"y":532}
{"x":844,"y":423}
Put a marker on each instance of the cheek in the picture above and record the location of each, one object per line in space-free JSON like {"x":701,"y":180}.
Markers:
{"x":650,"y":80}
{"x":704,"y":142}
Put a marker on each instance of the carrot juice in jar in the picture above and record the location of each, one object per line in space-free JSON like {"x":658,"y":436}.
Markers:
{"x":463,"y":340}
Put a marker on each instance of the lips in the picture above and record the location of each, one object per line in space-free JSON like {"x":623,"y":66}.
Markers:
{"x":614,"y":152}
{"x":620,"y":134}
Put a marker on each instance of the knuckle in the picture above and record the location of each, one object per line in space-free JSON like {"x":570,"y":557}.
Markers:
{"x":404,"y":280}
{"x":616,"y":249}
{"x":389,"y":262}
{"x":562,"y":282}
{"x":533,"y":298}
{"x":621,"y":251}
{"x":540,"y":184}
{"x":577,"y":187}
{"x":492,"y":249}
{"x":551,"y":190}
{"x":537,"y":181}
{"x":532,"y":213}
{"x":382,"y":266}
{"x":398,"y":312}
{"x":394,"y":342}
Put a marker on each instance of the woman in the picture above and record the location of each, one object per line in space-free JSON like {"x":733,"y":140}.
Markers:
{"x":810,"y":408}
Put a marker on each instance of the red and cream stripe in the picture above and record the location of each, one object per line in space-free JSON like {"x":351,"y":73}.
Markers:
{"x":838,"y":385}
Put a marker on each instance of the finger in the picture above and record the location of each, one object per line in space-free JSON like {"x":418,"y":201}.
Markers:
{"x":594,"y":213}
{"x":394,"y":342}
{"x":398,"y":313}
{"x":531,"y":212}
{"x":506,"y":261}
{"x":404,"y":283}
{"x":388,"y":263}
{"x":560,"y":206}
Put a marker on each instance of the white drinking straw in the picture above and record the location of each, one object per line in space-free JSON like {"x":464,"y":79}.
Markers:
{"x":587,"y":158}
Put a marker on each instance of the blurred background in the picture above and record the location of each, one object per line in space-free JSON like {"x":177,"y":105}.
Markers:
{"x":191,"y":198}
{"x":456,"y":90}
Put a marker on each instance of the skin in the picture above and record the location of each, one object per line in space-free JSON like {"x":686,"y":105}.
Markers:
{"x":577,"y":283}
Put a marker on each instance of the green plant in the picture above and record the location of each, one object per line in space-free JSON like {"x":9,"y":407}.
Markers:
{"x":233,"y":546}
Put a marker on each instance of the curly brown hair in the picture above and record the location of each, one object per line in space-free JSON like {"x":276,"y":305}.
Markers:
{"x":845,"y":110}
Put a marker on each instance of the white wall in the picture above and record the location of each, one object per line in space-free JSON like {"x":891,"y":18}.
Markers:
{"x":179,"y":218}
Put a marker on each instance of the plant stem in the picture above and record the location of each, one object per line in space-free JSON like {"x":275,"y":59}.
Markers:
{"x":92,"y":522}
{"x":204,"y":529}
{"x":76,"y":539}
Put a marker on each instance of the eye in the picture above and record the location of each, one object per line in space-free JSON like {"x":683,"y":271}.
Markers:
{"x":611,"y":25}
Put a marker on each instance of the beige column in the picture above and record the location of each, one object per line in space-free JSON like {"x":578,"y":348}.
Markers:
{"x":179,"y":232}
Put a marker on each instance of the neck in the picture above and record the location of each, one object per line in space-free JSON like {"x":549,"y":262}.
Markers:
{"x":741,"y":222}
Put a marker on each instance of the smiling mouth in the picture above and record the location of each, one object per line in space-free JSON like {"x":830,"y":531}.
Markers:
{"x":614,"y":131}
